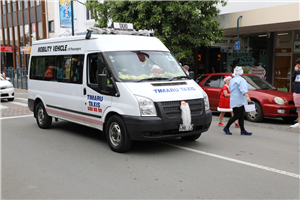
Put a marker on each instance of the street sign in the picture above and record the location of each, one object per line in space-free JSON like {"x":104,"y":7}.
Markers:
{"x":237,"y":45}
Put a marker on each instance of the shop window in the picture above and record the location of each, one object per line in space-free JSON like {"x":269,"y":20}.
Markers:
{"x":283,"y":42}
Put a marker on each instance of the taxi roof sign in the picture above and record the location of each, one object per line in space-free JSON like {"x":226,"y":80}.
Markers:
{"x":122,"y":26}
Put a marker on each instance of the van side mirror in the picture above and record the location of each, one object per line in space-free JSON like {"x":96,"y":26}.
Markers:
{"x":192,"y":75}
{"x":102,"y":81}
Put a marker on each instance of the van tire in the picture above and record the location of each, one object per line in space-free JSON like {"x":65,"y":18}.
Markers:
{"x":42,"y":118}
{"x":191,"y":137}
{"x":116,"y":134}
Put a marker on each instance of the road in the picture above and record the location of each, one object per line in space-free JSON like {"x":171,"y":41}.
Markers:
{"x":69,"y":161}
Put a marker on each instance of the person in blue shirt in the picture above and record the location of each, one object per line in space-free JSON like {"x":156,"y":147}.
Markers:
{"x":296,"y":78}
{"x":239,"y":96}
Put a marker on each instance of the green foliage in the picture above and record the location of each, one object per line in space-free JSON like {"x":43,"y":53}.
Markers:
{"x":180,"y":25}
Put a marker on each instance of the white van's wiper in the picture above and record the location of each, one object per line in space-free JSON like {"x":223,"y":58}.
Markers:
{"x":153,"y":79}
{"x":178,"y":77}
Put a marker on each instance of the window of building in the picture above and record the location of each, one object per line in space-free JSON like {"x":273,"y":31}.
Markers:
{"x":16,"y":36}
{"x":33,"y":32}
{"x":25,"y":4}
{"x":38,"y":2}
{"x":40,"y":31}
{"x":31,"y":3}
{"x":21,"y":36}
{"x":1,"y":37}
{"x":8,"y":7}
{"x":27,"y":41}
{"x":5,"y":37}
{"x":3,"y":9}
{"x":20,"y":5}
{"x":51,"y":26}
{"x":10,"y":36}
{"x":13,"y":3}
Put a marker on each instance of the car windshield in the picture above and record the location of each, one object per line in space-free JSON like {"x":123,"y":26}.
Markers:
{"x":1,"y":78}
{"x":257,"y":83}
{"x":146,"y":66}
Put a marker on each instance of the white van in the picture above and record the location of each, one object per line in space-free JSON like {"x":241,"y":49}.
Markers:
{"x":129,"y":87}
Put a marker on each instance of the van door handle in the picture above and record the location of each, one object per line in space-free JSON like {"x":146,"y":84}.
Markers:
{"x":84,"y":91}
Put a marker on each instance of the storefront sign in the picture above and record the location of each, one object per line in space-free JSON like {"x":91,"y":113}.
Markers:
{"x":258,"y":71}
{"x":244,"y":58}
{"x":6,"y":49}
{"x":226,"y":41}
{"x":25,"y":50}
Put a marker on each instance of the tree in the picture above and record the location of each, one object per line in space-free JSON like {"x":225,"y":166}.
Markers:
{"x":180,"y":25}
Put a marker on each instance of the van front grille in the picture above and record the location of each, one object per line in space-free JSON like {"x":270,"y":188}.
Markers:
{"x":172,"y":108}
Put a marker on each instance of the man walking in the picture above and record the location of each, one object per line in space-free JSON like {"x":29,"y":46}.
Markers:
{"x":296,"y":79}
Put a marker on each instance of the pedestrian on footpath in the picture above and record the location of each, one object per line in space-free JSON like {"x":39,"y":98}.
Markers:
{"x":239,"y":96}
{"x":224,"y":102}
{"x":296,"y":94}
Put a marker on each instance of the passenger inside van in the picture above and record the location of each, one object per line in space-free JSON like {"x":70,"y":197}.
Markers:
{"x":49,"y":72}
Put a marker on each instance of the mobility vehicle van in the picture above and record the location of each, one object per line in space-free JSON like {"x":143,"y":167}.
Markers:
{"x":129,"y":87}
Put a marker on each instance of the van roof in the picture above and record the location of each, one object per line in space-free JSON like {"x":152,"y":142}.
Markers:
{"x":108,"y":42}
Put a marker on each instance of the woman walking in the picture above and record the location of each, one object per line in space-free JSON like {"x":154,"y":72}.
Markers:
{"x":239,"y":96}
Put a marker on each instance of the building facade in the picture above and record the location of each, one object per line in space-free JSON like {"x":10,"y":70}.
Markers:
{"x":24,"y":21}
{"x":269,"y":41}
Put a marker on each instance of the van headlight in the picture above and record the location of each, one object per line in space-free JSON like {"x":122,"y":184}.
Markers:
{"x":146,"y":105}
{"x":279,"y":100}
{"x":206,"y":101}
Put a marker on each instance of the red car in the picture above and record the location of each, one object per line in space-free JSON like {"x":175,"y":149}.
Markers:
{"x":269,"y":102}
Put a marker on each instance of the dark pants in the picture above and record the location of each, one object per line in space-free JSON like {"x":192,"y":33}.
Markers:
{"x":239,"y":113}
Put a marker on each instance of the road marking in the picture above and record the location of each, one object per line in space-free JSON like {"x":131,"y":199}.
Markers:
{"x":14,"y":117}
{"x":3,"y":107}
{"x":18,"y":103}
{"x":23,"y":99}
{"x":236,"y":161}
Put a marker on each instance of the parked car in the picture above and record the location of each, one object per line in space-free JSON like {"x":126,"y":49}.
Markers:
{"x":269,"y":102}
{"x":7,"y":89}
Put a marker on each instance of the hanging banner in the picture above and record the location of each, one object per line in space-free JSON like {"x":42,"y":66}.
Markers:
{"x":65,"y":13}
{"x":25,"y":50}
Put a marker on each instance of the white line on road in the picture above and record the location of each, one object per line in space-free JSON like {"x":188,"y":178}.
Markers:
{"x":236,"y":161}
{"x":23,"y":99}
{"x":14,"y":117}
{"x":18,"y":103}
{"x":3,"y":107}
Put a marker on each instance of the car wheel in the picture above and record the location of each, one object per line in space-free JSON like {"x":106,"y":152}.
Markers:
{"x":191,"y":137}
{"x":42,"y":118}
{"x":10,"y":99}
{"x":116,"y":134}
{"x":289,"y":119}
{"x":257,"y":115}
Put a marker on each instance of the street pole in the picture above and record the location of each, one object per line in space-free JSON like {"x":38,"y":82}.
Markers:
{"x":72,"y":17}
{"x":238,"y":27}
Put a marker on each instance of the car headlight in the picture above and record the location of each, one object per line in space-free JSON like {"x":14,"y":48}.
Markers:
{"x":9,"y":86}
{"x":279,"y":100}
{"x":206,"y":101}
{"x":146,"y":105}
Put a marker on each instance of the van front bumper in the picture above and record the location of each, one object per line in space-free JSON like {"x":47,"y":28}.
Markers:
{"x":155,"y":128}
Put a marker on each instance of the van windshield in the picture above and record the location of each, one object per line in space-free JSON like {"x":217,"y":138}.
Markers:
{"x":145,"y":65}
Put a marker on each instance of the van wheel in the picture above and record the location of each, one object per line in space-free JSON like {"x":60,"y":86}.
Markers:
{"x":116,"y":134}
{"x":257,"y":115}
{"x":191,"y":137}
{"x":42,"y":118}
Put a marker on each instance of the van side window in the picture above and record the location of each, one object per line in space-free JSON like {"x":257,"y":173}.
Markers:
{"x":64,"y":68}
{"x":96,"y":65}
